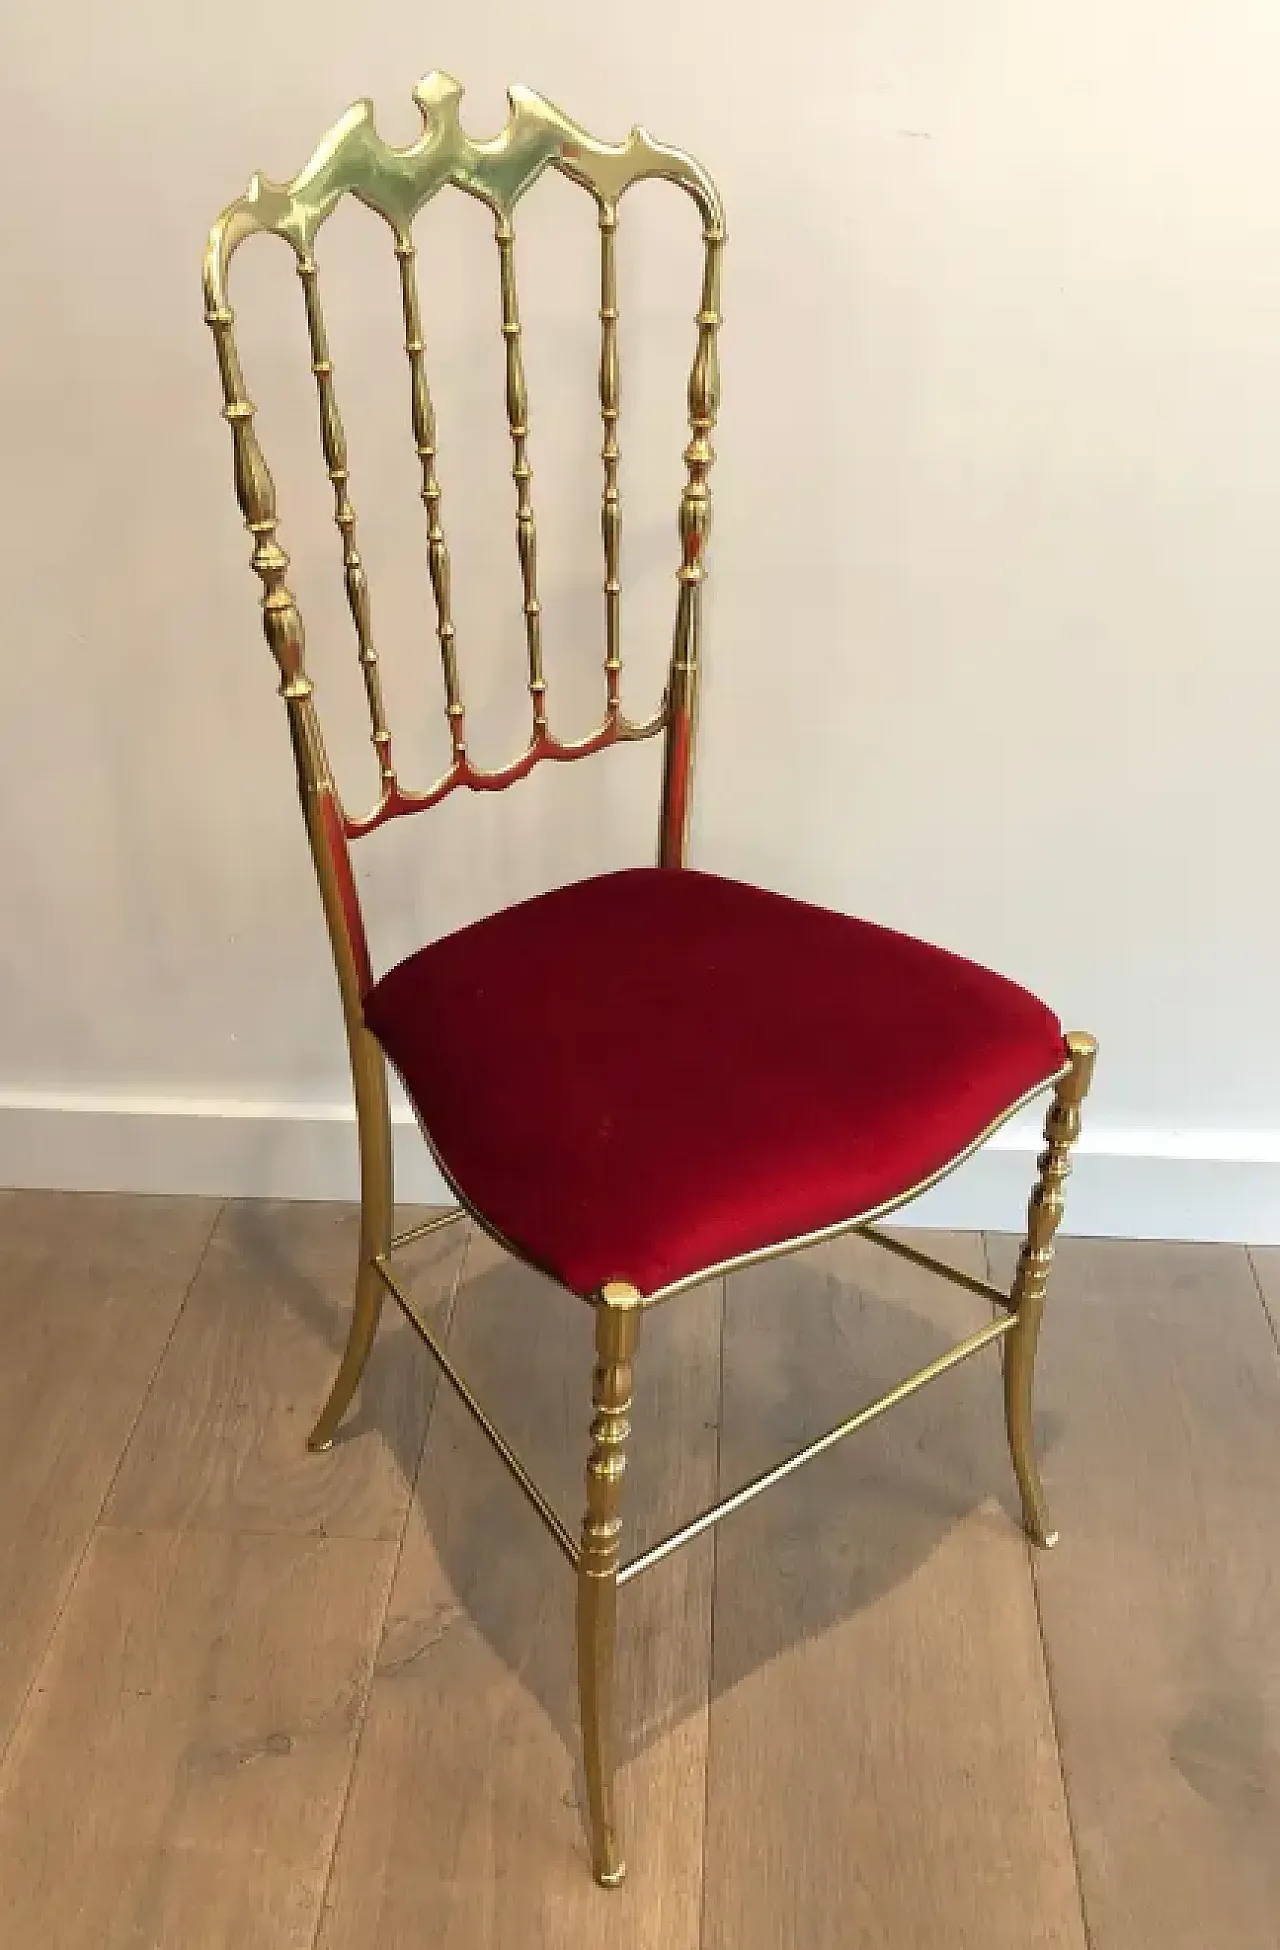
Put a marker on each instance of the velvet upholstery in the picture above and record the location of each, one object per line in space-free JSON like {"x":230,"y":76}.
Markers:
{"x":643,"y":1074}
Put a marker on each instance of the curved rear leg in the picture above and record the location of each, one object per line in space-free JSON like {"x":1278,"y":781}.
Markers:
{"x":373,"y":1118}
{"x":1062,"y":1128}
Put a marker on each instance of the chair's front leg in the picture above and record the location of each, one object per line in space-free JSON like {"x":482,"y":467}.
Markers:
{"x":1062,"y":1128}
{"x":617,"y":1328}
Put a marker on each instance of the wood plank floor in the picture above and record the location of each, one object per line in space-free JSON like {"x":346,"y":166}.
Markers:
{"x":878,"y":1672}
{"x":255,"y":1698}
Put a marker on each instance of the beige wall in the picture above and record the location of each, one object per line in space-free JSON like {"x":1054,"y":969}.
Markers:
{"x":992,"y":646}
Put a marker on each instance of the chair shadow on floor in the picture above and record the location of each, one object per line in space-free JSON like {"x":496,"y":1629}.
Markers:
{"x":388,"y":1406}
{"x":806,"y":1341}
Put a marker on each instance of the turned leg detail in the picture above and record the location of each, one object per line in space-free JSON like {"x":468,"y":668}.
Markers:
{"x":617,"y":1327}
{"x":1044,"y":1215}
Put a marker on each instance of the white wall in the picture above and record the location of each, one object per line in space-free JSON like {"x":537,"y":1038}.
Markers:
{"x":992,"y":649}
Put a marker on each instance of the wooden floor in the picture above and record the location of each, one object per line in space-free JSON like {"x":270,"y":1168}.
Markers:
{"x":255,"y":1698}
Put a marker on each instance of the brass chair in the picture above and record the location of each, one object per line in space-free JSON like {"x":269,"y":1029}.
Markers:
{"x":717,"y":1074}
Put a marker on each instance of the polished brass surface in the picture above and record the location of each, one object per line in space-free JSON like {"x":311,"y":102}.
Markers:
{"x":617,"y":1327}
{"x":973,"y":1344}
{"x":377,"y":1212}
{"x":333,"y":440}
{"x":1062,"y":1128}
{"x":545,"y":1509}
{"x":423,"y":416}
{"x":434,"y":1224}
{"x":368,"y":1065}
{"x":983,"y":1288}
{"x":522,"y":473}
{"x":610,"y":498}
{"x":256,"y":493}
{"x":353,"y":160}
{"x":695,"y":530}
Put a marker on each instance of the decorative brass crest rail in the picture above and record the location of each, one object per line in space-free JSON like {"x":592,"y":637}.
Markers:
{"x":353,"y":160}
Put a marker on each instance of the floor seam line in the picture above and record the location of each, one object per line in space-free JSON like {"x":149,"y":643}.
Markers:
{"x":1030,"y":1554}
{"x":248,"y":1531}
{"x":711,"y":1645}
{"x":450,"y":1309}
{"x":1272,"y":1320}
{"x":97,"y":1525}
{"x":1055,"y":1723}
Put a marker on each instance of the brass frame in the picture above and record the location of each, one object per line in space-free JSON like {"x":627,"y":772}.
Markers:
{"x":353,"y":160}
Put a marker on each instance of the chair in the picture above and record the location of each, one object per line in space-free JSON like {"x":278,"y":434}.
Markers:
{"x":712,"y":1074}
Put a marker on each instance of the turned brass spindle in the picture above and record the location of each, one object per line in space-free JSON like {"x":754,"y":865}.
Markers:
{"x":522,"y":472}
{"x":610,"y":506}
{"x":424,"y":434}
{"x":333,"y":439}
{"x":617,"y":1329}
{"x":256,"y":493}
{"x":1044,"y":1215}
{"x":695,"y":527}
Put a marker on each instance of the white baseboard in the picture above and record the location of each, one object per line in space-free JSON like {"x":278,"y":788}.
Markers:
{"x":1153,"y":1184}
{"x":1125,"y":1185}
{"x":226,"y":1147}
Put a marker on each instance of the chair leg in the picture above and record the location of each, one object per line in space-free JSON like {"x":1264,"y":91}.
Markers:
{"x":373,"y":1122}
{"x":1062,"y":1128}
{"x":617,"y":1328}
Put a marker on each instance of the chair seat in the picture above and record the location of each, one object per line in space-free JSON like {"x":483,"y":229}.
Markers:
{"x":644,"y":1074}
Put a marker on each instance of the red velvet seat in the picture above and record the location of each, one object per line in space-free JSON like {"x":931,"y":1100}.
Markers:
{"x":641,"y":1075}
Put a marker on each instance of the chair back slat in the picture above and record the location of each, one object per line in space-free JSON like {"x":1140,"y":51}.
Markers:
{"x":695,"y":530}
{"x":610,"y":501}
{"x":333,"y":440}
{"x":353,"y":160}
{"x":424,"y":437}
{"x":522,"y":473}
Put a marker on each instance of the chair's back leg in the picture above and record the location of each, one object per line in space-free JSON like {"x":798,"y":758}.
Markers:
{"x":1062,"y":1128}
{"x":617,"y":1328}
{"x":373,"y":1122}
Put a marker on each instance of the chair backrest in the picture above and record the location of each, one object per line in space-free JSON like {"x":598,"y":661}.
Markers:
{"x":353,"y":160}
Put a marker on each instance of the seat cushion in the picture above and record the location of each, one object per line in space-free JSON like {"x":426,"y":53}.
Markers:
{"x":644,"y":1074}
